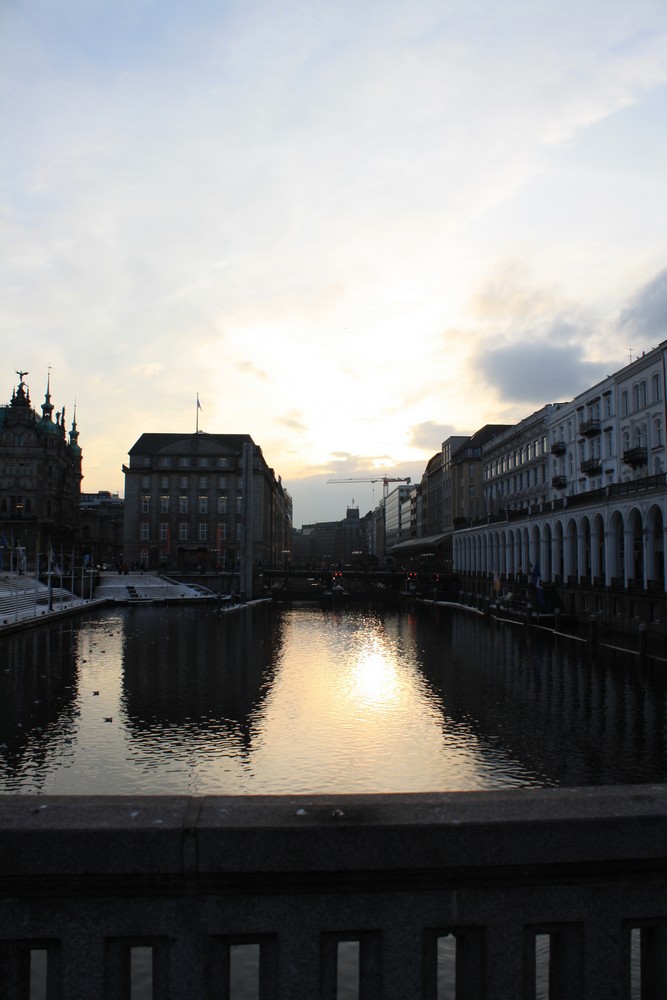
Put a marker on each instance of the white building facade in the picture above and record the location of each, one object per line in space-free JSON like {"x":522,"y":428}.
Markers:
{"x":578,"y":490}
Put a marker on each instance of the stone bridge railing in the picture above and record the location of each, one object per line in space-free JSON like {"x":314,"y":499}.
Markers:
{"x":466,"y":895}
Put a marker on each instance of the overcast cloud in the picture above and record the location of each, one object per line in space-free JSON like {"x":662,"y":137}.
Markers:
{"x":346,"y":226}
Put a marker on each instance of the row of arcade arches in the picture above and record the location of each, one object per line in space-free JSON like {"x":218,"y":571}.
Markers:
{"x":610,"y":547}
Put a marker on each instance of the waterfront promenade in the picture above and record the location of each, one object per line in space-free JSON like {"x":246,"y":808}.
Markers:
{"x":25,"y":602}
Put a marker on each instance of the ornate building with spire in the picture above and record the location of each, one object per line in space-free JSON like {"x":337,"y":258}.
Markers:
{"x":40,"y":477}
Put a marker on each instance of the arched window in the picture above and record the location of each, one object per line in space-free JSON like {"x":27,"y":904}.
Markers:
{"x":657,"y":433}
{"x":656,"y":387}
{"x":624,"y":402}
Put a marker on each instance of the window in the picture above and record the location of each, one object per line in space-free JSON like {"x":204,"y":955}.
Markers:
{"x":223,"y":463}
{"x":657,"y":433}
{"x":656,"y":388}
{"x":183,"y":531}
{"x":203,"y":482}
{"x":164,"y":504}
{"x":607,"y":406}
{"x":164,"y":531}
{"x":203,"y":505}
{"x":222,"y":505}
{"x":203,"y":463}
{"x":145,"y":504}
{"x":203,"y":531}
{"x":624,"y":403}
{"x":643,"y":392}
{"x":239,"y":505}
{"x":144,"y":529}
{"x":145,"y":482}
{"x":165,"y":462}
{"x":184,"y":462}
{"x":239,"y":529}
{"x":164,"y":482}
{"x":182,"y":505}
{"x":183,"y":482}
{"x":222,"y":532}
{"x":222,"y":482}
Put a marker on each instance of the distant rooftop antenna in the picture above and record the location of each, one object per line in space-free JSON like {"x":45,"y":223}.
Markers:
{"x":630,"y":354}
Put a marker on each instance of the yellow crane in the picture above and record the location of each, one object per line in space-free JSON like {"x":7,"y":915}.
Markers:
{"x":385,"y":480}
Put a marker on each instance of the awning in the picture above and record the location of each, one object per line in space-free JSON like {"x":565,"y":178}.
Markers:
{"x":422,"y":545}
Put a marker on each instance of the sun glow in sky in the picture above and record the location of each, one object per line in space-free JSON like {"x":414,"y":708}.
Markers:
{"x":353,"y":229}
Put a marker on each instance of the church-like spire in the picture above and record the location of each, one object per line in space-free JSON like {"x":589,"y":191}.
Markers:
{"x":47,"y":405}
{"x":74,"y":434}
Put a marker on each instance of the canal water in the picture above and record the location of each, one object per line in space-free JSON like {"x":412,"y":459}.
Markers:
{"x":305,"y":700}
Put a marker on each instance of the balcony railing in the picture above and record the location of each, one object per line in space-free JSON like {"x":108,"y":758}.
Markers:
{"x":559,"y":482}
{"x":497,"y":884}
{"x":558,"y":447}
{"x":591,"y":467}
{"x":589,"y":428}
{"x":635,"y":457}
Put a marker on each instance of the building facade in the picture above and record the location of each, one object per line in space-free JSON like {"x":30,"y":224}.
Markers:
{"x":594,"y":525}
{"x":40,"y":479}
{"x":101,"y":528}
{"x":204,"y":502}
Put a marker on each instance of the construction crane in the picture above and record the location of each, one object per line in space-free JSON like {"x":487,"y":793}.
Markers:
{"x":385,"y":480}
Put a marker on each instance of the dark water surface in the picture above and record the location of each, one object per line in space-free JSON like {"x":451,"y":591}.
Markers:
{"x":275,"y":700}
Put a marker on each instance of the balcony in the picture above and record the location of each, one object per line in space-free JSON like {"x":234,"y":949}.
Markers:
{"x":636,"y":457}
{"x":559,"y":482}
{"x":558,"y":447}
{"x":289,"y":885}
{"x":592,"y":467}
{"x":589,"y":428}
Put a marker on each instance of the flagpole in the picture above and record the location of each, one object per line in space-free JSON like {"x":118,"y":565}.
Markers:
{"x":197,"y":415}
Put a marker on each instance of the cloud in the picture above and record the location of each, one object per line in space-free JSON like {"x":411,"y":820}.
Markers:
{"x":249,"y":368}
{"x":429,"y":435}
{"x":646,"y":313}
{"x":293,"y":421}
{"x":535,"y":373}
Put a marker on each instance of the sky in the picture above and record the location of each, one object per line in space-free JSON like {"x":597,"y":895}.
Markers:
{"x":352,"y":229}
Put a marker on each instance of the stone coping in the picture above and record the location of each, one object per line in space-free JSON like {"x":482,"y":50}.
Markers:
{"x":218,"y":835}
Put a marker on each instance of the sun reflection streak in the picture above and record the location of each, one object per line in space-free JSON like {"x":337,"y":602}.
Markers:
{"x":374,"y":675}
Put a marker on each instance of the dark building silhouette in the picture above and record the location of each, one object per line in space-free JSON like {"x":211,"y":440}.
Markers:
{"x":40,"y":478}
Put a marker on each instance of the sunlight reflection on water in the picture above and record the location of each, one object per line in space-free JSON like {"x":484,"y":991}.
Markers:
{"x":310,"y":700}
